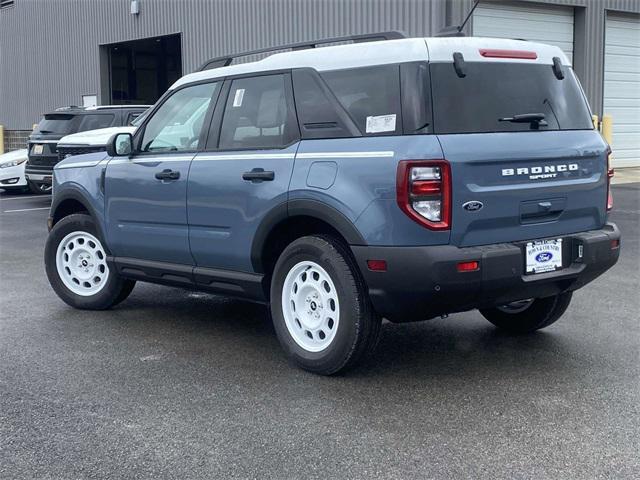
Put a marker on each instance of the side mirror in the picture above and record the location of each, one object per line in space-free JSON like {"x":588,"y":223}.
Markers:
{"x":120,"y":145}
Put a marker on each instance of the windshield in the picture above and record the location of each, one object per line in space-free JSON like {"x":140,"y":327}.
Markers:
{"x":506,"y":97}
{"x":57,"y":123}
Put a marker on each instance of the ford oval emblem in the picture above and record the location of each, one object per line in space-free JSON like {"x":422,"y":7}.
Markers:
{"x":544,"y":257}
{"x":472,"y":206}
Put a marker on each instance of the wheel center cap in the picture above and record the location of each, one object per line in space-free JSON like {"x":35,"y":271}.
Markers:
{"x":84,"y":263}
{"x":313,"y":306}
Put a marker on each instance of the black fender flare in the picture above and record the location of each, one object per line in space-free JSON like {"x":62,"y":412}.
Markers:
{"x":299,"y":208}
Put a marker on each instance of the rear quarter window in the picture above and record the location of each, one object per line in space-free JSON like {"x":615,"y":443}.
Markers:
{"x":95,"y":121}
{"x":371,"y":96}
{"x":490,"y":91}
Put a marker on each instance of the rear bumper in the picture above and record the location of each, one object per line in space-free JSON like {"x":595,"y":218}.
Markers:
{"x":424,"y":282}
{"x":39,"y":177}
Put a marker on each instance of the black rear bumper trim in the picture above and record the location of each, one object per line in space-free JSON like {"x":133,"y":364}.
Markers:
{"x":423,"y":282}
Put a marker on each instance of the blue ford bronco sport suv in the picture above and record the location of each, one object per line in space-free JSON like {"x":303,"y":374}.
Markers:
{"x":401,"y":179}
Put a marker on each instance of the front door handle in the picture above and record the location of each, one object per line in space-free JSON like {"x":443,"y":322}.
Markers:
{"x":167,"y":174}
{"x":259,"y":175}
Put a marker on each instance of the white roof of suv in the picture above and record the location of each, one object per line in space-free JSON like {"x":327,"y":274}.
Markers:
{"x":388,"y":51}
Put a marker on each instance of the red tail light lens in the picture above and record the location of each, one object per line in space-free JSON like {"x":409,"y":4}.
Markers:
{"x":468,"y":266}
{"x":423,"y":189}
{"x":610,"y":173}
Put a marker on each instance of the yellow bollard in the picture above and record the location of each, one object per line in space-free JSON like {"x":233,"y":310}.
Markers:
{"x":1,"y":139}
{"x":607,"y":129}
{"x":594,"y":119}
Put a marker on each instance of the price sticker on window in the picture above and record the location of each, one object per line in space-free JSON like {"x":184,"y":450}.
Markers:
{"x":381,"y":123}
{"x":237,"y":99}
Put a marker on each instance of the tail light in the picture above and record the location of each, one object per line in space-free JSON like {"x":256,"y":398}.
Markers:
{"x":610,"y":173}
{"x":423,"y":189}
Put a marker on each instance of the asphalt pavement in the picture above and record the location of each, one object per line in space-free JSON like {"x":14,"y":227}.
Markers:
{"x":176,"y":384}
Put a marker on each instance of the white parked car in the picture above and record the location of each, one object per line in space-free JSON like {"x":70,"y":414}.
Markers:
{"x":12,"y":165}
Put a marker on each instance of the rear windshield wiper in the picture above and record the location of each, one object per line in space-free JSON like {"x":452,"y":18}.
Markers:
{"x":537,"y":118}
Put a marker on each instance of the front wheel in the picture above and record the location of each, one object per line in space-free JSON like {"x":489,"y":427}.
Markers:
{"x":320,"y":307}
{"x":526,"y":316}
{"x":76,"y":265}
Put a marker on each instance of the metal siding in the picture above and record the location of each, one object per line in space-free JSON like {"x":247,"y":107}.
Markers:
{"x":52,"y":46}
{"x":622,"y":87}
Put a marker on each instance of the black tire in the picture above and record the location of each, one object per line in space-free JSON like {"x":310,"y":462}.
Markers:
{"x":359,"y":326}
{"x":541,"y":313}
{"x":115,"y":290}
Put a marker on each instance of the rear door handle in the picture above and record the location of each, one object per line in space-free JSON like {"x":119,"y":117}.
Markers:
{"x":259,"y":175}
{"x":167,"y":174}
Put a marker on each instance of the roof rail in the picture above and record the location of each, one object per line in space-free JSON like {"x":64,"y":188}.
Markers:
{"x":226,"y":60}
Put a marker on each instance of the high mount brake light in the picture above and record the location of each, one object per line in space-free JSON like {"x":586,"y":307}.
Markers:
{"x":610,"y":173}
{"x":423,"y":192}
{"x":521,"y":54}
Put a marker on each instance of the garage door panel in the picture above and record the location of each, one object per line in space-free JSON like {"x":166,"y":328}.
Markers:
{"x":620,"y":90}
{"x":545,"y":24}
{"x":627,"y":64}
{"x":622,"y":87}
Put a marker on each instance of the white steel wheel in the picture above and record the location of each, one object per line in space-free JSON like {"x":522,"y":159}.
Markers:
{"x":82,"y":263}
{"x":310,"y":306}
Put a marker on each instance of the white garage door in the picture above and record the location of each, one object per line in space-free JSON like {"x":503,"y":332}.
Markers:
{"x":622,"y":87}
{"x":546,"y":24}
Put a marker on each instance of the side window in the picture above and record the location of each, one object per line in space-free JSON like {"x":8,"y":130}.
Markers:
{"x":95,"y":121}
{"x":319,"y":113}
{"x":371,"y":95}
{"x":256,"y":114}
{"x":177,"y":124}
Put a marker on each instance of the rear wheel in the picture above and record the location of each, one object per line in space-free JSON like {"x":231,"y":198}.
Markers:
{"x":320,"y":307}
{"x":525,"y":316}
{"x":76,"y":265}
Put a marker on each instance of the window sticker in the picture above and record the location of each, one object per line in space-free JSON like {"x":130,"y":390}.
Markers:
{"x":381,"y":123}
{"x":237,"y":99}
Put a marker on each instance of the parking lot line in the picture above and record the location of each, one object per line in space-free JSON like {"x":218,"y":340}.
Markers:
{"x":26,"y":210}
{"x":2,"y":199}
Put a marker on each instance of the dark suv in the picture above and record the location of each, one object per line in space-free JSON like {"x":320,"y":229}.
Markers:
{"x":43,"y":152}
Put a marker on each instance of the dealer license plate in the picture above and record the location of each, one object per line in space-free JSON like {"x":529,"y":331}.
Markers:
{"x":37,"y":149}
{"x":544,"y":256}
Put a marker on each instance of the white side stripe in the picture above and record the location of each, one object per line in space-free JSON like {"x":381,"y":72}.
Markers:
{"x":346,"y":154}
{"x":121,"y":161}
{"x":79,"y":164}
{"x":250,"y":156}
{"x":256,"y":156}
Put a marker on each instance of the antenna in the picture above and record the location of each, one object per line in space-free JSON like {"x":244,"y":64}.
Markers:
{"x":454,"y":31}
{"x":468,"y":16}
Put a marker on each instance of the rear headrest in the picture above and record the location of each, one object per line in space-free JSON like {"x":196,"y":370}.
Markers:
{"x":271,"y":109}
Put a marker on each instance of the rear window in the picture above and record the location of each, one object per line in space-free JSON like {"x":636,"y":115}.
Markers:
{"x":58,"y":123}
{"x":371,"y":96}
{"x":491,"y":91}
